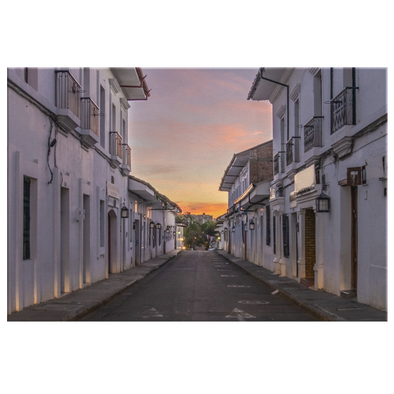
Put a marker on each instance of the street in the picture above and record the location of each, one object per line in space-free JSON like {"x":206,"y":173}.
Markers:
{"x":199,"y":286}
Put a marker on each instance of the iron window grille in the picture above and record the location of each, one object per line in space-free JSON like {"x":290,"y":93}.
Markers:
{"x":313,"y":133}
{"x":343,"y":109}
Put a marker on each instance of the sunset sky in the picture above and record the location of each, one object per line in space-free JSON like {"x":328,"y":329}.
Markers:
{"x":184,"y":136}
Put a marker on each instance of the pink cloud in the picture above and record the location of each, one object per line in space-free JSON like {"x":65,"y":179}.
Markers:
{"x":185,"y":135}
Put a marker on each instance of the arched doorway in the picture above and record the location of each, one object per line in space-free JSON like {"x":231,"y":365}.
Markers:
{"x":112,"y":241}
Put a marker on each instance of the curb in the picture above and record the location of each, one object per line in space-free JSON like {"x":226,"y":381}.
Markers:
{"x":101,"y":303}
{"x":325,"y":316}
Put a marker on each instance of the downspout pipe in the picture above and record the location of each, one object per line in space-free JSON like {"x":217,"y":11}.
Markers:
{"x":288,"y":100}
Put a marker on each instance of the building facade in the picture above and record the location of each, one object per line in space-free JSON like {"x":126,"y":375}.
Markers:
{"x":203,"y":218}
{"x":328,"y":198}
{"x":247,"y":179}
{"x":74,"y":213}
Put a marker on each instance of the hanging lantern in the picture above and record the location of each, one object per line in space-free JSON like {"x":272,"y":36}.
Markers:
{"x":251,"y":225}
{"x":323,"y":203}
{"x":124,"y":212}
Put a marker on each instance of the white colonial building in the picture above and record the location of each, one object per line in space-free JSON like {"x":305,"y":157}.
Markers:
{"x":247,"y":179}
{"x":329,"y":192}
{"x":74,"y":213}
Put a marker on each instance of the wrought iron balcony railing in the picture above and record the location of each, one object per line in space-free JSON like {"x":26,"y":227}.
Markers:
{"x":127,"y":155}
{"x":115,"y":145}
{"x":276,"y":163}
{"x":89,"y":115}
{"x":313,"y":133}
{"x":68,"y":92}
{"x":342,"y":109}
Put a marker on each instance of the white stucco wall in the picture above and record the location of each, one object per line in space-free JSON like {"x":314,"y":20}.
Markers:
{"x":66,"y":259}
{"x":333,"y":246}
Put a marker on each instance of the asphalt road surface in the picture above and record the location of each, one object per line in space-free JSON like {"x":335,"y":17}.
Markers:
{"x":199,"y":286}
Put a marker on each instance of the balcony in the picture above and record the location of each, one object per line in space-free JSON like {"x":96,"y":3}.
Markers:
{"x":89,"y":121}
{"x":68,"y":100}
{"x":313,"y":133}
{"x":115,"y":147}
{"x":126,"y":165}
{"x":276,"y":163}
{"x":342,"y":109}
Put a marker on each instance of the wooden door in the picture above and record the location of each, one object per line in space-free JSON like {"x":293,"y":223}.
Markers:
{"x":109,"y":243}
{"x":354,"y":237}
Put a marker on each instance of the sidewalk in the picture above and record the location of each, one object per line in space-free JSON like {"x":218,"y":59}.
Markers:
{"x":323,"y":305}
{"x":77,"y":304}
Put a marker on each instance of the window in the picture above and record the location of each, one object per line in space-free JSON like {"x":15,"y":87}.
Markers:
{"x":113,"y":118}
{"x":31,"y":77}
{"x":26,"y":217}
{"x":282,"y":145}
{"x":317,"y":93}
{"x":343,"y":105}
{"x":285,"y":224}
{"x":102,"y":116}
{"x":296,"y":141}
{"x":268,"y":225}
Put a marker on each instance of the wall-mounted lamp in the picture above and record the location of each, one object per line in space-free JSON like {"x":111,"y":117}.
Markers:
{"x":233,"y":229}
{"x":124,"y":212}
{"x":323,"y":203}
{"x":158,"y":226}
{"x":152,"y":225}
{"x":168,"y":229}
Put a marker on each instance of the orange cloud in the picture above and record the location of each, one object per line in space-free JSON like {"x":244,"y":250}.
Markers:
{"x":198,"y":208}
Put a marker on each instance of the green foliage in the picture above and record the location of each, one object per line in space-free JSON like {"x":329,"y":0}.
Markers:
{"x":209,"y":228}
{"x":195,"y":234}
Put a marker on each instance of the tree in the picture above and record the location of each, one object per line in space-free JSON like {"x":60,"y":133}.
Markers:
{"x":193,"y":235}
{"x":208,"y":228}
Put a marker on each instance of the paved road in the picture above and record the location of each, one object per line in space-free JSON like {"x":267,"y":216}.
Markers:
{"x":199,"y":286}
